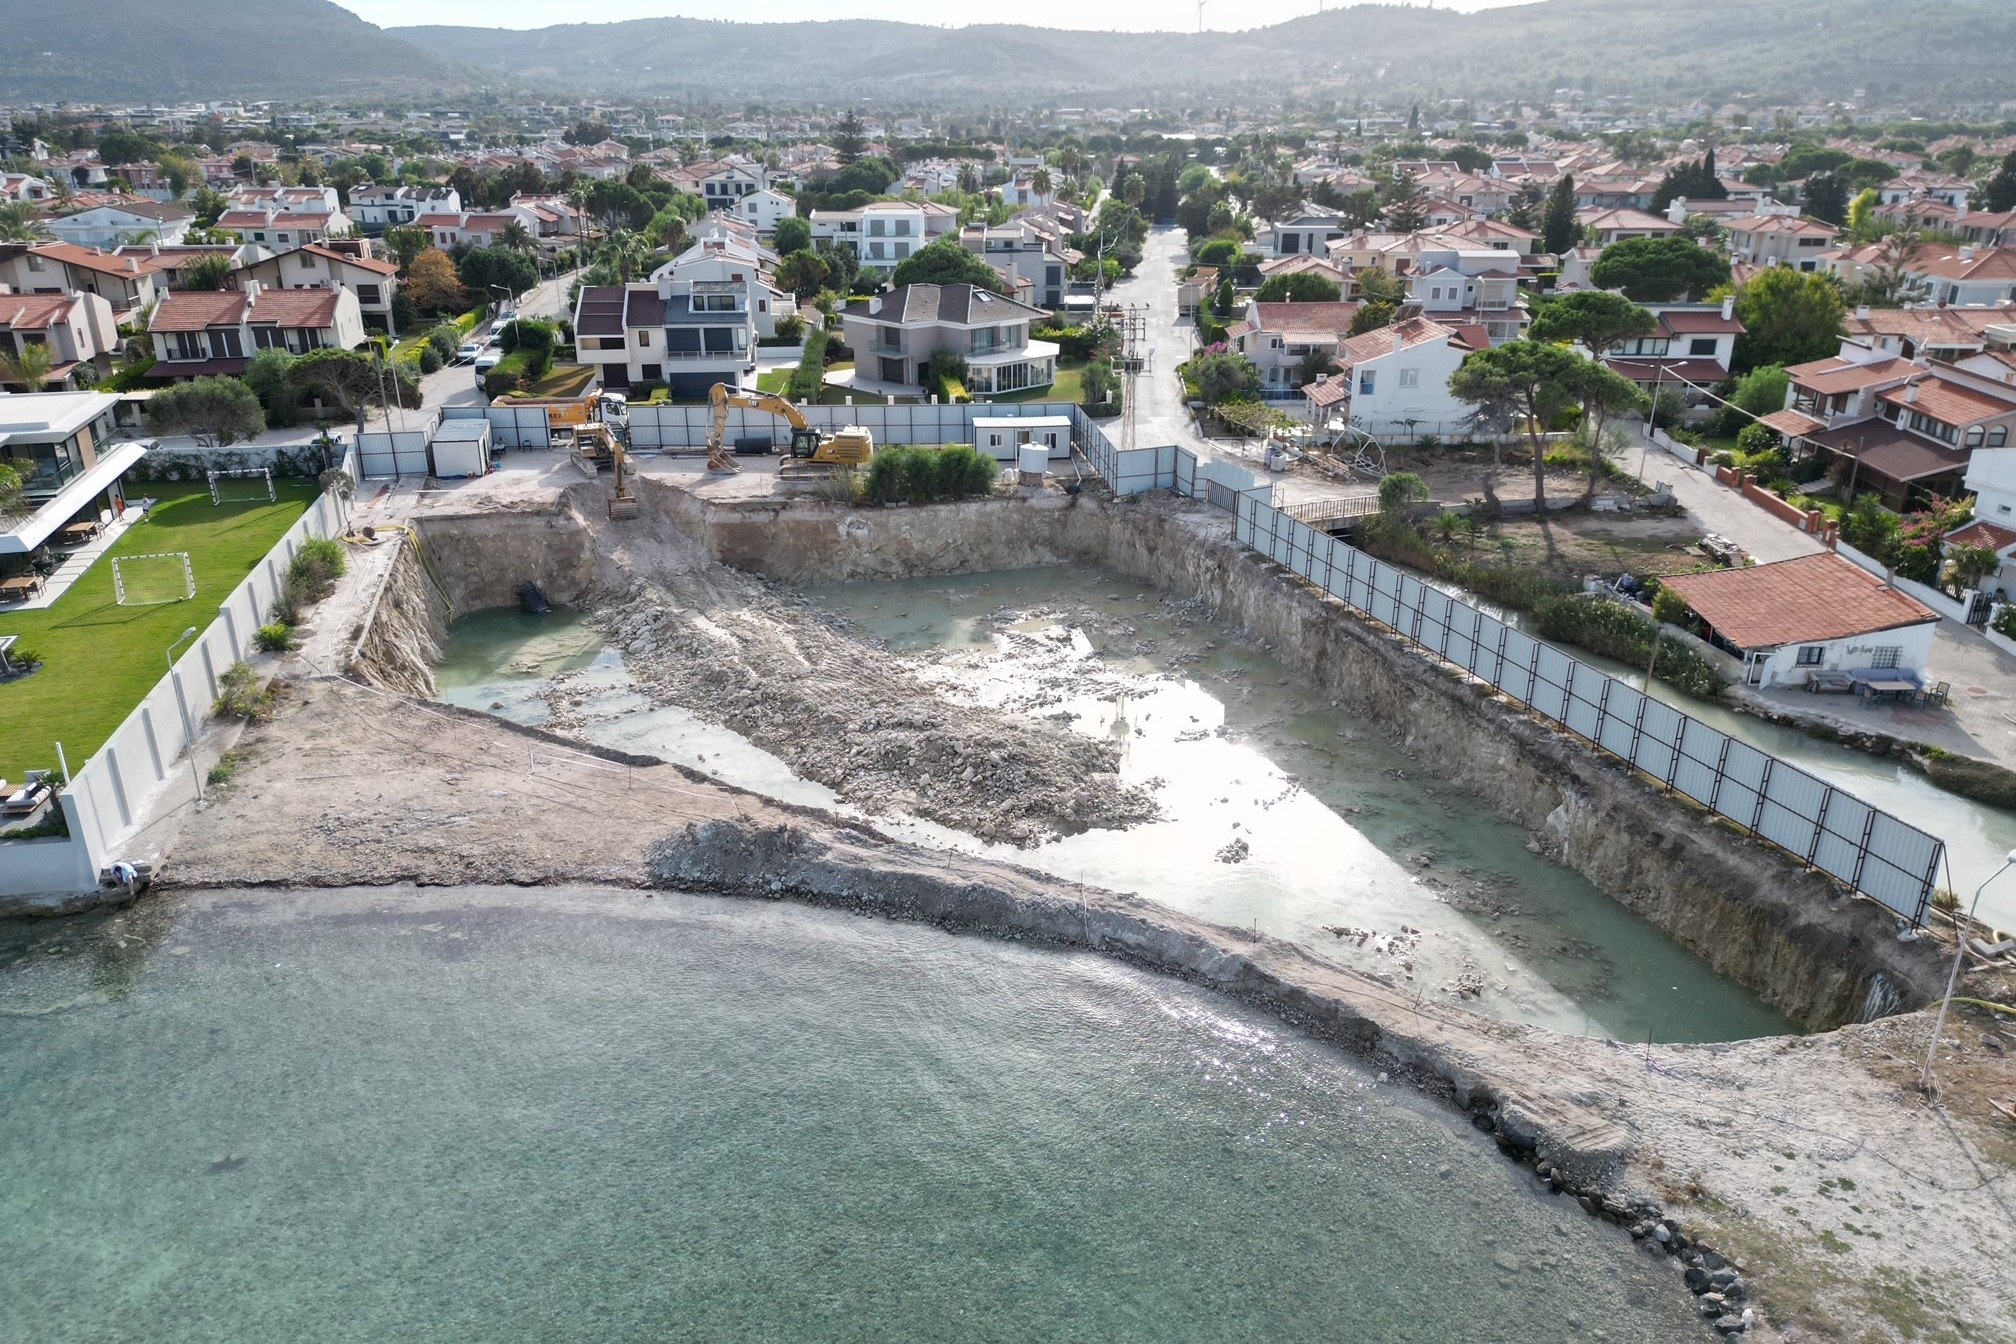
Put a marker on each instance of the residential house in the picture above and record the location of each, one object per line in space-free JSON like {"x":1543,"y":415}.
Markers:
{"x":1614,"y":225}
{"x":285,"y":216}
{"x":1985,"y":228}
{"x":1026,"y":250}
{"x":78,"y":329}
{"x":765,"y":209}
{"x":129,"y":221}
{"x":1393,"y":383}
{"x":1304,"y":264}
{"x":716,"y":262}
{"x":202,"y":332}
{"x":721,"y":182}
{"x":1307,"y":232}
{"x":1917,"y":187}
{"x":130,"y":283}
{"x":1460,"y":286}
{"x":894,"y":335}
{"x":1950,"y":335}
{"x":1689,"y":350}
{"x":1819,"y":613}
{"x":883,"y":233}
{"x":62,"y":444}
{"x":168,"y":262}
{"x":343,"y":264}
{"x":1781,"y":240}
{"x":25,"y":187}
{"x":1285,"y":340}
{"x":1991,"y":476}
{"x":375,"y":208}
{"x":1938,"y":273}
{"x":1020,"y":191}
{"x":468,"y":228}
{"x":684,"y":332}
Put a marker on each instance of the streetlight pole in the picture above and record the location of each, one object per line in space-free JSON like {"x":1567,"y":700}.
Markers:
{"x":1953,"y":979}
{"x":182,"y":704}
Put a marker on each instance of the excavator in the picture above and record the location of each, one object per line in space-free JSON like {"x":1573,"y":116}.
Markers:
{"x":810,"y":456}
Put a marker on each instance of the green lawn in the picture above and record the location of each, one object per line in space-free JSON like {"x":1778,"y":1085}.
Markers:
{"x":99,"y":658}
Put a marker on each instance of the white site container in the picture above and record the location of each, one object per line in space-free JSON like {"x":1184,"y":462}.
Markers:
{"x":460,"y":448}
{"x":1002,"y":437}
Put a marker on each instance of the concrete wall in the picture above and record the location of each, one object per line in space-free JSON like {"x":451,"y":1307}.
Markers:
{"x":107,"y":796}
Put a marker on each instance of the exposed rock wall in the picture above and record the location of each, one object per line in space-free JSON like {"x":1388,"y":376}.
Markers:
{"x":403,"y":634}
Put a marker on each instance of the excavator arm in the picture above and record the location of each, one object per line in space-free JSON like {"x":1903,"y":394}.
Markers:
{"x":720,"y":397}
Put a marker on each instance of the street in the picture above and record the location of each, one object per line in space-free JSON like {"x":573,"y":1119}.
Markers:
{"x":455,"y":384}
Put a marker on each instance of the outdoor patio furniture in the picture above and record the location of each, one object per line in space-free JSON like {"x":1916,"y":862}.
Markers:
{"x":24,"y":800}
{"x":20,"y":587}
{"x":1830,"y":683}
{"x":1889,"y":690}
{"x":1939,"y":694}
{"x":76,"y":534}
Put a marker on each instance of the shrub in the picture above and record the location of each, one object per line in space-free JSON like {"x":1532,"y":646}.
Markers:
{"x":242,"y":695}
{"x":278,"y":637}
{"x":2004,"y":623}
{"x":1669,"y":607}
{"x":227,"y":766}
{"x":429,"y":361}
{"x":917,"y":475}
{"x":1621,"y":632}
{"x":24,"y":660}
{"x":315,"y":568}
{"x":1755,"y":439}
{"x":789,"y":328}
{"x":1400,"y":492}
{"x":444,"y":338}
{"x":809,"y":378}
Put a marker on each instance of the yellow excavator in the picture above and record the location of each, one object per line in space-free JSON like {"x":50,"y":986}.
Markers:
{"x":809,"y":454}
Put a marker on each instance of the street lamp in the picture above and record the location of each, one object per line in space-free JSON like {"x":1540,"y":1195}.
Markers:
{"x":1959,"y":954}
{"x":182,"y":704}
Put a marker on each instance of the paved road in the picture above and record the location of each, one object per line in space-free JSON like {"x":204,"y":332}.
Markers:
{"x":1159,"y":413}
{"x":455,"y":384}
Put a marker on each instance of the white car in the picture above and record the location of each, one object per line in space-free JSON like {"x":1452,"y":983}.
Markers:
{"x":467,"y":351}
{"x":508,"y":315}
{"x":496,"y":338}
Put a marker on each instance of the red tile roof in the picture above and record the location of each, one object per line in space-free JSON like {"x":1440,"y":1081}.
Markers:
{"x":1982,"y":533}
{"x":1834,"y":374}
{"x":33,"y":312}
{"x":1792,"y":424}
{"x":363,"y":263}
{"x":1948,"y":402}
{"x":1372,"y":344}
{"x":1307,"y":319}
{"x":1805,"y":601}
{"x":186,"y":310}
{"x":91,"y":259}
{"x":1701,"y":372}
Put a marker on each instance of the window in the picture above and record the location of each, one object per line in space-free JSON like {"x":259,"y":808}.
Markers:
{"x":1435,"y":293}
{"x":1410,"y":377}
{"x":1810,"y":654}
{"x":279,"y":237}
{"x":1702,"y":345}
{"x":644,"y":340}
{"x":1886,"y":657}
{"x":307,"y":262}
{"x":1938,"y":429}
{"x":35,"y":263}
{"x":1998,"y":436}
{"x":1975,"y":436}
{"x":1365,"y":381}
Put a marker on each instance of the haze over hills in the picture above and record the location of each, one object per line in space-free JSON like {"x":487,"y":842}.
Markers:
{"x":1950,"y":50}
{"x":1931,"y":53}
{"x":114,"y":50}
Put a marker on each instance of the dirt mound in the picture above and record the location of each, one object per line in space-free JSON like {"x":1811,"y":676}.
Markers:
{"x":756,"y":658}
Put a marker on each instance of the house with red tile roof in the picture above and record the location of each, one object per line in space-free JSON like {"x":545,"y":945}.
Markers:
{"x":1780,"y":239}
{"x":1393,"y":383}
{"x":1819,"y":613}
{"x":128,"y":281}
{"x":203,"y":332}
{"x":345,"y":263}
{"x":79,"y":331}
{"x":1688,"y":349}
{"x":1279,"y":339}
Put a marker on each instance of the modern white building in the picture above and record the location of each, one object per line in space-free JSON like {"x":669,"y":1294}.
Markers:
{"x":883,"y":233}
{"x":63,"y":445}
{"x":1393,"y":383}
{"x":894,"y":335}
{"x":764,"y":209}
{"x":687,"y":333}
{"x":107,"y":226}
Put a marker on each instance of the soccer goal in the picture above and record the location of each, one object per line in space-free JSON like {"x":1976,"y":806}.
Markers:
{"x":150,"y":580}
{"x":243,"y":485}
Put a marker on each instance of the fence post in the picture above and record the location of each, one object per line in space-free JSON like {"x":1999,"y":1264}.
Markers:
{"x":231,"y":632}
{"x":1763,"y":790}
{"x":1820,"y":823}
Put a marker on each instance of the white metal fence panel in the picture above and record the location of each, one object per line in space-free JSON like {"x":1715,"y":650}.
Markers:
{"x":1868,"y":850}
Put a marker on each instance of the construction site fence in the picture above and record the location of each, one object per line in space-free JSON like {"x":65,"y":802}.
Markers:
{"x":684,"y":429}
{"x":1829,"y":829}
{"x":1826,"y":828}
{"x":107,"y":794}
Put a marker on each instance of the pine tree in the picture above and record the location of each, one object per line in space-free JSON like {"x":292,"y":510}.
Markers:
{"x":848,"y":139}
{"x":1709,"y":186}
{"x":1406,"y":206}
{"x":1558,"y":229}
{"x":2001,"y":192}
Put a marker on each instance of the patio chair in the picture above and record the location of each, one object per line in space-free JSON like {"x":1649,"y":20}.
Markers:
{"x":1939,"y":694}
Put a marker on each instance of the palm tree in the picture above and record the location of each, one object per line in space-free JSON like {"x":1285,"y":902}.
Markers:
{"x":1133,"y":189}
{"x":515,"y":236}
{"x":969,"y":178}
{"x":1070,"y":160}
{"x":626,"y":249}
{"x":1039,"y":182}
{"x":29,"y":369}
{"x":20,"y":224}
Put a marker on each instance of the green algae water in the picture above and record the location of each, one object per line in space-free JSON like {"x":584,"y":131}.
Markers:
{"x":487,"y":1115}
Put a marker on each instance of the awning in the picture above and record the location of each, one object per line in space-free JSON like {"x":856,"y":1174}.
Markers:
{"x":40,"y":525}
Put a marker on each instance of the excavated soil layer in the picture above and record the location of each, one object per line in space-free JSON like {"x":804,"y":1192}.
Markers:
{"x":753,"y":656}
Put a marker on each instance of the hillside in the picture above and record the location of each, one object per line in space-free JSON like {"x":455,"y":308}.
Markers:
{"x":1930,"y":53}
{"x":114,"y":50}
{"x":1937,"y":51}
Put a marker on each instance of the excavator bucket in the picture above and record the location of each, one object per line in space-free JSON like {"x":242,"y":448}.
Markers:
{"x":622,"y":506}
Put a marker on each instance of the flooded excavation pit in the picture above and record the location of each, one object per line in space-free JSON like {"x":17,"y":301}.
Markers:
{"x":1266,"y":807}
{"x":481,"y":1114}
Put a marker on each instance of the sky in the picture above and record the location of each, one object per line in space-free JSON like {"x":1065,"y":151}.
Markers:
{"x":1131,"y":15}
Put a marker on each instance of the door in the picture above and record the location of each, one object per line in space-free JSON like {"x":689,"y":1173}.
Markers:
{"x":1753,"y":668}
{"x":892,"y":370}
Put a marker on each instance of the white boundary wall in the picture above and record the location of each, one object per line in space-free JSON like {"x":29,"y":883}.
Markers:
{"x":107,"y":796}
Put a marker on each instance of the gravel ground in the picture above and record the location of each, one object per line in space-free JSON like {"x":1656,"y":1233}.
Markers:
{"x":759,"y":659}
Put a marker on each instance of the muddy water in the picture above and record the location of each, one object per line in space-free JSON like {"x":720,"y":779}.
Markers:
{"x":488,"y":1115}
{"x":1280,"y":812}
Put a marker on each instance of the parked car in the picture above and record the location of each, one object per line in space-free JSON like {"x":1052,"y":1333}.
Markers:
{"x":467,"y":351}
